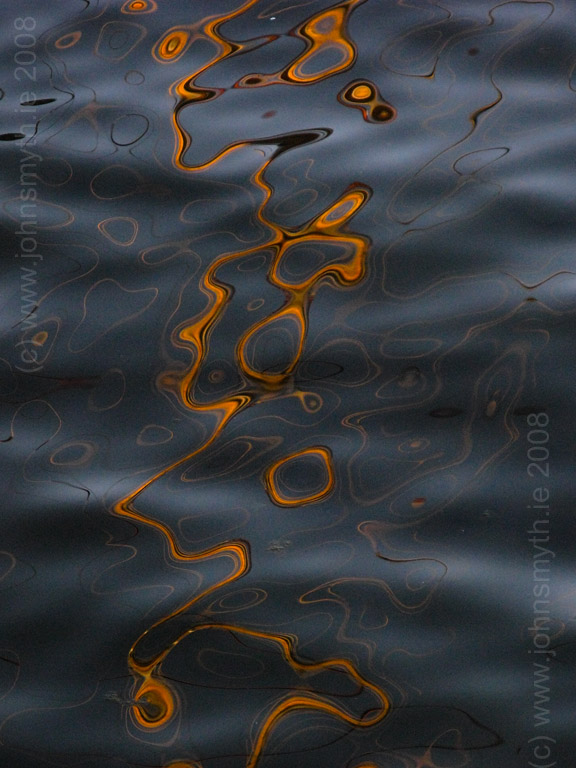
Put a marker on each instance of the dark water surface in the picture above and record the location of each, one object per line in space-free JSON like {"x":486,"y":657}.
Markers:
{"x":287,"y":378}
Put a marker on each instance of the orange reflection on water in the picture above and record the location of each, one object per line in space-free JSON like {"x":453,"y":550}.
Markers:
{"x":40,"y":338}
{"x":326,"y":37}
{"x":328,"y":228}
{"x":290,"y":702}
{"x":363,"y":95}
{"x":271,"y":477}
{"x":139,"y":6}
{"x":183,"y":764}
{"x":324,"y":33}
{"x":323,"y":229}
{"x":185,"y":89}
{"x":172,"y":45}
{"x":156,"y":701}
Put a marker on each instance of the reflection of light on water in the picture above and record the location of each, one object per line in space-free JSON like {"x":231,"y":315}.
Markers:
{"x":283,"y":323}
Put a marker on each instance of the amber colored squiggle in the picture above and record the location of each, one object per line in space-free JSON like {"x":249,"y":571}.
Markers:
{"x":305,"y":700}
{"x":325,"y":31}
{"x":270,"y":478}
{"x":155,"y":700}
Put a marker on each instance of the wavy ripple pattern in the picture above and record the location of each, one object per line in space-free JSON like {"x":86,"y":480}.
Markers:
{"x":287,"y":291}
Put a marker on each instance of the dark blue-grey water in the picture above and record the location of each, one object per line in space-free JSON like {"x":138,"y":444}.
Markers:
{"x":287,"y":384}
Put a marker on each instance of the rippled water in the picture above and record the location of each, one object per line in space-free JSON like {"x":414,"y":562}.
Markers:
{"x":287,"y":382}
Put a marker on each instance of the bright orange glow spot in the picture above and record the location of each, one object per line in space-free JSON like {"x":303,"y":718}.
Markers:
{"x":139,"y":6}
{"x":361,"y":92}
{"x":183,"y":764}
{"x":40,"y":338}
{"x":365,"y":97}
{"x":155,"y":704}
{"x":170,"y":47}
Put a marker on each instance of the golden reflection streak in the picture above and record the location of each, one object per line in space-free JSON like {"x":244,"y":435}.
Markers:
{"x":291,"y":702}
{"x":184,"y":89}
{"x":153,"y":692}
{"x":156,"y":702}
{"x":326,"y":30}
{"x":326,"y":228}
